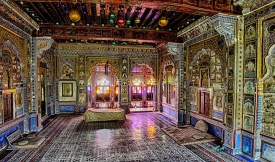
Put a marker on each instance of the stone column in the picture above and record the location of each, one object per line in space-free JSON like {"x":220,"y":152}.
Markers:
{"x":39,"y":45}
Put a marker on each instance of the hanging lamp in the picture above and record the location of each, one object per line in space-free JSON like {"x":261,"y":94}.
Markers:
{"x":74,"y":15}
{"x":163,"y":21}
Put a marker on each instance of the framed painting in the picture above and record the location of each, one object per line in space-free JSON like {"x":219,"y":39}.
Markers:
{"x":231,"y":63}
{"x":249,"y":86}
{"x":219,"y":101}
{"x":250,"y":50}
{"x":230,"y":84}
{"x":268,"y":151}
{"x":248,"y":123}
{"x":249,"y":105}
{"x":230,"y":98}
{"x":247,"y":145}
{"x":204,"y":73}
{"x":250,"y":31}
{"x":250,"y":68}
{"x":230,"y":109}
{"x":67,"y":89}
{"x":229,"y":122}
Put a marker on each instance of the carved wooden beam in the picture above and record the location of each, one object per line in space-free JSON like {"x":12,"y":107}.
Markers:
{"x":210,"y":7}
{"x":97,"y":33}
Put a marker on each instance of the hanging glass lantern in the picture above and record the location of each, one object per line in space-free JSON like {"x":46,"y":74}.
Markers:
{"x":163,"y":21}
{"x":112,"y":15}
{"x":111,"y":21}
{"x":137,"y":20}
{"x":120,"y":21}
{"x":128,"y":21}
{"x":74,"y":15}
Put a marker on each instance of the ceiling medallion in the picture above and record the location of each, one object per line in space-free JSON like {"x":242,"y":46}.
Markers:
{"x":74,"y":15}
{"x":163,"y":21}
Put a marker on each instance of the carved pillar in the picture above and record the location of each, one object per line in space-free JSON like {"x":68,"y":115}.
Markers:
{"x":39,"y":45}
{"x":176,"y":50}
{"x":125,"y":90}
{"x":225,"y":25}
{"x":159,"y":94}
{"x":258,"y":124}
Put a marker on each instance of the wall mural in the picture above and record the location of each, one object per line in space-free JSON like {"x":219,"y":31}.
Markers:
{"x":218,"y":105}
{"x":249,"y":105}
{"x":247,"y":145}
{"x":250,"y":50}
{"x":81,"y":84}
{"x":250,"y":31}
{"x":268,"y":41}
{"x":249,"y":86}
{"x":193,"y":98}
{"x":250,"y":68}
{"x":207,"y":69}
{"x":268,"y":122}
{"x":248,"y":123}
{"x":66,"y":68}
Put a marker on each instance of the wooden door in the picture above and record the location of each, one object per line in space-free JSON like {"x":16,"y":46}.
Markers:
{"x":205,"y":103}
{"x":8,"y":107}
{"x":202,"y":103}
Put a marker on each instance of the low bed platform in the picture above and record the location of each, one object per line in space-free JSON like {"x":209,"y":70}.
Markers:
{"x":93,"y":115}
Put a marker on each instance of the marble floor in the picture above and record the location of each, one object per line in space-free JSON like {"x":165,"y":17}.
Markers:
{"x":139,"y":138}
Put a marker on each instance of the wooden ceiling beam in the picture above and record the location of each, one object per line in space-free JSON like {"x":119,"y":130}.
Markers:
{"x":55,"y":12}
{"x":147,"y":17}
{"x":38,"y":11}
{"x":46,"y":11}
{"x":177,"y":19}
{"x":157,"y":4}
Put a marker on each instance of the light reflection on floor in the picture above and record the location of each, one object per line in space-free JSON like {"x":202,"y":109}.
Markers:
{"x":142,"y":109}
{"x":139,"y":138}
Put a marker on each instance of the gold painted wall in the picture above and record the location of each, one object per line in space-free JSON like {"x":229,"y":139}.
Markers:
{"x":210,"y":69}
{"x":18,"y":44}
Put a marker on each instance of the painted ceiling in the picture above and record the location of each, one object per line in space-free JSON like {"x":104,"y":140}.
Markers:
{"x":100,"y":20}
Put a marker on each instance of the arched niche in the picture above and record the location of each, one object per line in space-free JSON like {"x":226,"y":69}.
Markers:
{"x":103,"y":88}
{"x":206,"y":77}
{"x":142,"y":87}
{"x":11,"y":82}
{"x":169,"y":83}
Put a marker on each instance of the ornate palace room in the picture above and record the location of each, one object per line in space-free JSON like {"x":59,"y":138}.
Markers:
{"x":137,"y":80}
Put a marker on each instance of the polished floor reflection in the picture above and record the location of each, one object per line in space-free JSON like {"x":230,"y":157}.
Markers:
{"x":140,"y":138}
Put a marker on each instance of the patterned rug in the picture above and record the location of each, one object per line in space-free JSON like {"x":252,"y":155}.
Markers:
{"x":139,"y":138}
{"x":188,"y":135}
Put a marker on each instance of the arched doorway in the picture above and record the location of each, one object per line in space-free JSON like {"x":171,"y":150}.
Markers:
{"x":103,"y":88}
{"x":207,"y":95}
{"x":11,"y":83}
{"x":142,"y":88}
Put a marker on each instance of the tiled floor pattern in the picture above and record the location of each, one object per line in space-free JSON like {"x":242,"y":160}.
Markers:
{"x":69,"y":138}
